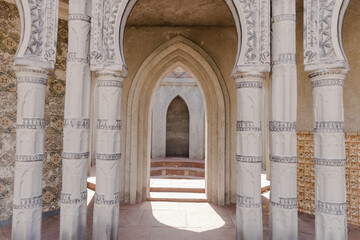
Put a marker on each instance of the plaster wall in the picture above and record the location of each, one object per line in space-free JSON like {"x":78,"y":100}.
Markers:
{"x":189,"y":91}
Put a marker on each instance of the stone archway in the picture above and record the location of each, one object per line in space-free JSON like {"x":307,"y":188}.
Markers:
{"x":179,"y":51}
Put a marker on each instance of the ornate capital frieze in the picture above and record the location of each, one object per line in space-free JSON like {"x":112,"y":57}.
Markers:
{"x":322,"y":34}
{"x":247,"y":202}
{"x":37,"y":80}
{"x":286,"y":203}
{"x":39,"y":33}
{"x":100,"y":199}
{"x":330,"y":162}
{"x":31,"y":123}
{"x":78,"y":16}
{"x":329,"y":127}
{"x":30,"y":158}
{"x":278,"y":126}
{"x":255,"y":42}
{"x":75,"y":155}
{"x":331,"y":208}
{"x":283,"y":159}
{"x":247,"y":126}
{"x":108,"y":157}
{"x":66,"y":198}
{"x":249,"y":159}
{"x":110,"y":83}
{"x":27,"y":203}
{"x":103,"y":124}
{"x":285,"y":58}
{"x":77,"y":123}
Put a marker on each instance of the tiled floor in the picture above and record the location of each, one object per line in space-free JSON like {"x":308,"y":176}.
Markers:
{"x":175,"y":221}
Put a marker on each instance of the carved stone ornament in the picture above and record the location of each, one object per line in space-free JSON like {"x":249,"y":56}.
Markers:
{"x":323,"y":47}
{"x":255,"y":36}
{"x":39,"y":33}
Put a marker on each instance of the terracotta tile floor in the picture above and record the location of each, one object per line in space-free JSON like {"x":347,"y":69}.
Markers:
{"x":175,"y":220}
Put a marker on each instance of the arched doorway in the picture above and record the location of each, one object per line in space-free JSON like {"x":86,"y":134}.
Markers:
{"x":177,"y":129}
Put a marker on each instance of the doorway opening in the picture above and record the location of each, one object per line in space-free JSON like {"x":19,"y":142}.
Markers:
{"x":177,"y":171}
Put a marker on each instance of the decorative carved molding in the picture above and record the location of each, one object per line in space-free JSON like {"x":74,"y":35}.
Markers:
{"x":108,"y":157}
{"x":283,"y":159}
{"x":249,"y":85}
{"x":66,"y":198}
{"x":71,"y":57}
{"x":329,"y":127}
{"x":247,"y":126}
{"x":278,"y":126}
{"x":37,"y":80}
{"x":247,"y":202}
{"x":29,"y":158}
{"x":27,"y":203}
{"x":100,"y":199}
{"x":77,"y":123}
{"x":286,"y":203}
{"x":330,"y":162}
{"x":330,"y":207}
{"x":103,"y":124}
{"x":285,"y":58}
{"x":78,"y":16}
{"x":322,"y":34}
{"x":32,"y":123}
{"x":109,"y":83}
{"x":75,"y":155}
{"x":249,"y":159}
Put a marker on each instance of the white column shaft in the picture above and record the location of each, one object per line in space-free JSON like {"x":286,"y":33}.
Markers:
{"x":30,"y":126}
{"x":76,"y":124}
{"x":283,"y":150}
{"x":108,"y":137}
{"x":249,"y":156}
{"x":329,"y":154}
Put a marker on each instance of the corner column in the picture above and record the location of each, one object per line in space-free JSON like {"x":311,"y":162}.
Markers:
{"x":329,"y":154}
{"x":30,"y":130}
{"x":76,"y":124}
{"x":249,"y":155}
{"x":283,"y":150}
{"x":108,"y":154}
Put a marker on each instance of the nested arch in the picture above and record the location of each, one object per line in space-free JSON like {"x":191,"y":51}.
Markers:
{"x":137,"y":124}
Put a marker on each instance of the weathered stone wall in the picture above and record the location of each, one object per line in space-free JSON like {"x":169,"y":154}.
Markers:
{"x":54,"y":112}
{"x":306,"y":175}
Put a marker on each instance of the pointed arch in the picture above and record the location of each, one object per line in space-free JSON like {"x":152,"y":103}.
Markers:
{"x":220,"y":169}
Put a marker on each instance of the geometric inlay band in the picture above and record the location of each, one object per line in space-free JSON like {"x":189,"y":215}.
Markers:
{"x":247,"y":126}
{"x":36,"y":80}
{"x":285,"y":58}
{"x":329,"y":127}
{"x":110,"y":83}
{"x":249,"y":159}
{"x":109,"y":157}
{"x":330,"y":162}
{"x":249,"y":85}
{"x":32,"y":123}
{"x":103,"y":124}
{"x":100,"y":199}
{"x":66,"y":198}
{"x":26,"y":203}
{"x":71,"y":57}
{"x":78,"y":16}
{"x":247,"y":202}
{"x":283,"y":17}
{"x":327,"y":82}
{"x":278,"y":126}
{"x":287,"y":203}
{"x":75,"y":155}
{"x":77,"y":123}
{"x":331,"y":208}
{"x":283,"y":159}
{"x":29,"y":158}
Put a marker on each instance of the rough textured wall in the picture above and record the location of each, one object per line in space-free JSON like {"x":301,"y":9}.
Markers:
{"x":306,"y":175}
{"x":351,"y":33}
{"x":54,"y":112}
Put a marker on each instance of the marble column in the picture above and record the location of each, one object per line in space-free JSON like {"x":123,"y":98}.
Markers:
{"x":329,"y":154}
{"x":30,"y":126}
{"x":108,"y":155}
{"x":249,"y":155}
{"x":283,"y":150}
{"x":76,"y":124}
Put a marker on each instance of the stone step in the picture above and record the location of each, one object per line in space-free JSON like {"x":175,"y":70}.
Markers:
{"x":178,"y":162}
{"x":177,"y":177}
{"x":183,"y":189}
{"x":176,"y":197}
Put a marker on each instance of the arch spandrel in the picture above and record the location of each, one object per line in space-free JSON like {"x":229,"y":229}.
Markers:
{"x":39,"y":21}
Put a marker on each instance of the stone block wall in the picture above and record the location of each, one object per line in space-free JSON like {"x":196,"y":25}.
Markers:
{"x":306,"y":175}
{"x":54,"y":112}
